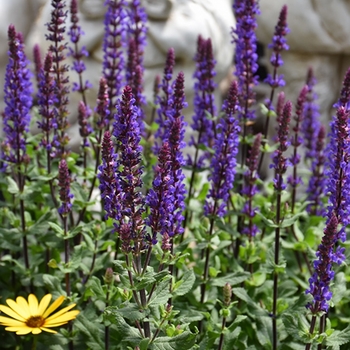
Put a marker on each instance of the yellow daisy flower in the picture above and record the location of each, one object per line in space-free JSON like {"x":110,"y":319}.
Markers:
{"x":32,"y":317}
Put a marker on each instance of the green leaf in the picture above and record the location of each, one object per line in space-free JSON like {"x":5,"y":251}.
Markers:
{"x":161,"y":294}
{"x":338,"y":338}
{"x":131,"y":312}
{"x":242,"y":294}
{"x":92,"y":333}
{"x":58,"y":229}
{"x":185,"y":340}
{"x":233,"y":279}
{"x":53,"y":284}
{"x":186,"y":283}
{"x":12,"y":186}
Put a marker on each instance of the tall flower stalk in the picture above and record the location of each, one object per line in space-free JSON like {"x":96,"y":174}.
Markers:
{"x":280,"y":164}
{"x":204,"y":105}
{"x":294,"y":180}
{"x":113,"y":59}
{"x":223,"y":165}
{"x":278,"y":45}
{"x":64,"y":210}
{"x":246,"y":62}
{"x":58,"y":47}
{"x":18,"y":101}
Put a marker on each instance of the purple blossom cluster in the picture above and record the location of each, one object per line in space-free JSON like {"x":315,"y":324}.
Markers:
{"x":246,"y":58}
{"x":127,"y":133}
{"x":223,"y":163}
{"x":109,"y":185}
{"x":278,"y":45}
{"x":160,"y":198}
{"x":165,"y":101}
{"x":102,"y":106}
{"x":204,"y":101}
{"x":296,"y":140}
{"x":75,"y":32}
{"x":113,"y":60}
{"x":310,"y":125}
{"x":176,"y":126}
{"x":47,"y":100}
{"x":338,"y":186}
{"x":280,"y":162}
{"x":56,"y":29}
{"x":317,"y":180}
{"x":64,"y":181}
{"x":18,"y":100}
{"x":250,"y":187}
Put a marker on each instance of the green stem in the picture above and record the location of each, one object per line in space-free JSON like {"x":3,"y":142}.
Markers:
{"x":35,"y":342}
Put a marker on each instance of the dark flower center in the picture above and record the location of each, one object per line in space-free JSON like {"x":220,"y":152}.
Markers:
{"x":35,"y":321}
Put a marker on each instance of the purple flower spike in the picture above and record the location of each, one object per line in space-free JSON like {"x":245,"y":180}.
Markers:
{"x":204,"y":87}
{"x":37,"y":63}
{"x":223,"y":163}
{"x":279,"y":43}
{"x":83,"y":118}
{"x":280,"y":163}
{"x":250,"y":188}
{"x":317,"y":181}
{"x":18,"y":100}
{"x":327,"y":254}
{"x":56,"y":29}
{"x":311,"y":124}
{"x":165,"y":101}
{"x":160,"y":198}
{"x":75,"y":33}
{"x":176,"y":126}
{"x":109,"y":185}
{"x":127,"y":133}
{"x":64,"y":181}
{"x":337,"y":173}
{"x":47,"y":99}
{"x":296,"y":141}
{"x":103,"y":103}
{"x":113,"y":60}
{"x":246,"y":59}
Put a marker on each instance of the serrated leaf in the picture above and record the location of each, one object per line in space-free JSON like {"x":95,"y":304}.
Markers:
{"x":185,"y":340}
{"x":161,"y":294}
{"x":186,"y":283}
{"x":92,"y":333}
{"x":233,"y":279}
{"x":338,"y":338}
{"x":132,"y":312}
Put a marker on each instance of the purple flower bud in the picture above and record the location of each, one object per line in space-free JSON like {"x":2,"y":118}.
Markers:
{"x":103,"y":103}
{"x":64,"y":181}
{"x":280,"y":162}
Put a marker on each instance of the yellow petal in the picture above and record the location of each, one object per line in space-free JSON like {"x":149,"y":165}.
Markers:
{"x":71,"y":315}
{"x":23,"y":304}
{"x":47,"y":330}
{"x":6,"y":310}
{"x":33,"y":305}
{"x":13,"y":329}
{"x":55,"y":324}
{"x":11,"y":321}
{"x":59,"y":313}
{"x":44,"y":303}
{"x":36,"y":331}
{"x":54,"y":306}
{"x":19,"y":330}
